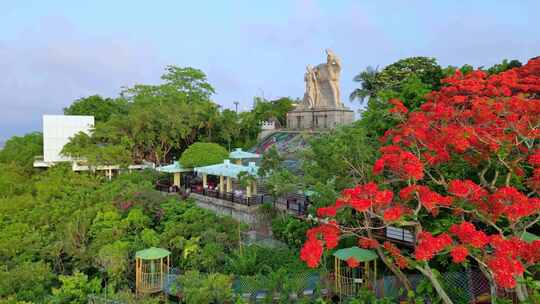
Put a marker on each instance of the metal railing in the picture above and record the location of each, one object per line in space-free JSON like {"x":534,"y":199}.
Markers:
{"x":229,"y":196}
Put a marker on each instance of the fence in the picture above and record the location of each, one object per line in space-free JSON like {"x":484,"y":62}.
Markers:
{"x":461,"y":287}
{"x":230,"y":196}
{"x":291,"y":287}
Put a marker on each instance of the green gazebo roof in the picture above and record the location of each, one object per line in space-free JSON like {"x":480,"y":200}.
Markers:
{"x":239,"y":154}
{"x":175,"y":167}
{"x":529,"y":237}
{"x":228,"y":169}
{"x":359,"y":254}
{"x":152,"y":253}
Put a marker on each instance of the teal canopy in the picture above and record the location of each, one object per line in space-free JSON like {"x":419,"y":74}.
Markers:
{"x":152,"y":253}
{"x":529,"y":237}
{"x":359,"y":254}
{"x":239,"y":154}
{"x":228,"y":169}
{"x":175,"y":167}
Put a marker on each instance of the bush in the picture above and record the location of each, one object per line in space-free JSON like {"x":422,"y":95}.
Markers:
{"x":203,"y":154}
{"x":75,"y":289}
{"x":290,"y":230}
{"x":198,"y":288}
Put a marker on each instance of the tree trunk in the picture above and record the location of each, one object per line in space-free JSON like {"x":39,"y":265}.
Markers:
{"x":521,"y":290}
{"x":426,"y":270}
{"x":395,"y":270}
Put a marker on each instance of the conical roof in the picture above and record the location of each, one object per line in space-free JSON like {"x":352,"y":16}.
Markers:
{"x":152,"y":253}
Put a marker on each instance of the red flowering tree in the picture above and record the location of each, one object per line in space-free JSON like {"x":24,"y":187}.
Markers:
{"x":489,"y":125}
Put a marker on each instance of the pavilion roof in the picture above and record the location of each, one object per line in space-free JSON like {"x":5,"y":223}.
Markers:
{"x":175,"y":167}
{"x":238,"y":153}
{"x":152,"y":253}
{"x":228,"y":169}
{"x":359,"y":254}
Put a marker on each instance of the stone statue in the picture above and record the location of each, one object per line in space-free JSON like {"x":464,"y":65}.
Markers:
{"x":312,"y":91}
{"x":334,"y":67}
{"x":321,"y":106}
{"x":322,"y":84}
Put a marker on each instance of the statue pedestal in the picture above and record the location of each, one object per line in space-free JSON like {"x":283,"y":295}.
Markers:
{"x":303,"y":118}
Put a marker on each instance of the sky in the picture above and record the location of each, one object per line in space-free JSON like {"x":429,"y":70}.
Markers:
{"x":53,"y":52}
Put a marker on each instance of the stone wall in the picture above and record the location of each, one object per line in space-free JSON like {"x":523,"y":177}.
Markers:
{"x":241,"y":213}
{"x":330,"y":118}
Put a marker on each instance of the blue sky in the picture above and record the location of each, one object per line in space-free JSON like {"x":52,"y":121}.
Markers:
{"x":52,"y":52}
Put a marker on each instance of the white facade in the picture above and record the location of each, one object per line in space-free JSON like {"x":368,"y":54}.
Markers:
{"x":58,"y":129}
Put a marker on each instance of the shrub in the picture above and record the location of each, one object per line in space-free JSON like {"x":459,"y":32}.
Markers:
{"x":203,"y":154}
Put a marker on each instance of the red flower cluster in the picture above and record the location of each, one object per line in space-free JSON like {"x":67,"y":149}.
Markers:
{"x":459,"y":254}
{"x":398,"y":108}
{"x":509,"y":258}
{"x":508,"y":201}
{"x":467,"y":189}
{"x":467,"y":234}
{"x":363,"y":197}
{"x":393,"y":214}
{"x":534,"y":180}
{"x":475,"y":115}
{"x":368,"y":243}
{"x":504,"y":270}
{"x":428,"y":245}
{"x":312,"y":250}
{"x":327,"y":211}
{"x":431,"y":200}
{"x":534,"y":158}
{"x":352,"y":262}
{"x":399,"y":259}
{"x":402,"y":163}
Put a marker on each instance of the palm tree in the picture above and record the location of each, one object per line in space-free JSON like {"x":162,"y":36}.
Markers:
{"x":368,"y":87}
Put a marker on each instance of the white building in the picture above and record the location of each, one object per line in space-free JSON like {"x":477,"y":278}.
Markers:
{"x":57,"y":130}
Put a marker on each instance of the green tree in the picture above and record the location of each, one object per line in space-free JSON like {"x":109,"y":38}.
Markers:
{"x":368,"y":87}
{"x":75,"y":289}
{"x":503,"y":66}
{"x":203,"y":154}
{"x":424,"y":68}
{"x":228,"y":129}
{"x":101,"y":108}
{"x":21,"y":150}
{"x":271,"y":161}
{"x":341,"y":156}
{"x":28,"y":281}
{"x":201,"y":289}
{"x":12,"y":180}
{"x":113,"y":258}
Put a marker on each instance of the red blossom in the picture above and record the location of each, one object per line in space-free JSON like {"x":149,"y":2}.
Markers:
{"x":466,"y":189}
{"x":467,"y":234}
{"x":327,"y":211}
{"x":398,"y":108}
{"x":393,"y":214}
{"x":311,"y":252}
{"x":399,"y":259}
{"x":505,"y":270}
{"x":352,"y":262}
{"x":368,"y":243}
{"x":428,"y":245}
{"x":459,"y":254}
{"x":402,"y":163}
{"x":534,"y":159}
